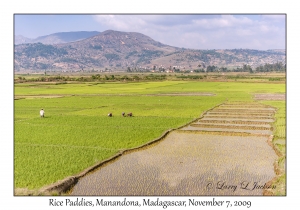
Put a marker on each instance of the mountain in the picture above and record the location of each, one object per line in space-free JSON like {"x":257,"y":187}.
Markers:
{"x":19,"y":39}
{"x":117,"y":50}
{"x":57,"y":38}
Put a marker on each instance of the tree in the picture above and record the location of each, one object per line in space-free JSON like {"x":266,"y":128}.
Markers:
{"x":211,"y":68}
{"x":223,"y":69}
{"x":161,"y":69}
{"x":247,"y":68}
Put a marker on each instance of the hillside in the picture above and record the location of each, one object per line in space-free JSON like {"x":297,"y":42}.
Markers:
{"x":57,"y":38}
{"x":117,"y":50}
{"x":19,"y":39}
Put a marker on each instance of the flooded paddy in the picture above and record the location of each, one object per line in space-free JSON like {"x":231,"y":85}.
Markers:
{"x":239,"y":114}
{"x":239,"y":125}
{"x":239,"y":118}
{"x":186,"y":163}
{"x":264,"y":120}
{"x":182,"y":164}
{"x":227,"y":130}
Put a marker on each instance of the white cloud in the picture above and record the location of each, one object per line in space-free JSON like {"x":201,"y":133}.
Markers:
{"x":264,"y":28}
{"x":275,"y":18}
{"x":223,"y":21}
{"x":203,"y":31}
{"x":244,"y":32}
{"x":124,"y":22}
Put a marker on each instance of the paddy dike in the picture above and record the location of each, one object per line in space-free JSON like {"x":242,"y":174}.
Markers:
{"x":225,"y":152}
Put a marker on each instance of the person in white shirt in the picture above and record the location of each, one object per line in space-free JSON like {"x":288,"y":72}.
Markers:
{"x":42,"y":113}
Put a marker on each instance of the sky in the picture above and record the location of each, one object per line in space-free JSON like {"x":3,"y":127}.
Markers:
{"x":195,"y":31}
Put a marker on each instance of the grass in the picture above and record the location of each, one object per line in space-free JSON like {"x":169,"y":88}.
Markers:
{"x":279,"y":142}
{"x":280,"y":120}
{"x":147,"y":88}
{"x":76,"y":132}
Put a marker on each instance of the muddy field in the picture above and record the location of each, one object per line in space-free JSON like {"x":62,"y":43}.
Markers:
{"x":277,"y":97}
{"x":187,"y":163}
{"x":247,"y":117}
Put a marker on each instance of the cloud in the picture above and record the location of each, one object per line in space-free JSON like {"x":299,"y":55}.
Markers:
{"x":123,"y":22}
{"x":204,"y":31}
{"x":223,"y":21}
{"x":274,"y":18}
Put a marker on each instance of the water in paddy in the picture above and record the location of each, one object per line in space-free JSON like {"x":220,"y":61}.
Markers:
{"x":269,"y":120}
{"x":196,"y":128}
{"x":186,"y":164}
{"x":266,"y":126}
{"x":191,"y":164}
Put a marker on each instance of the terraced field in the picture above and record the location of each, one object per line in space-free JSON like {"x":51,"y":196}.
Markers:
{"x":237,"y":117}
{"x":225,"y":152}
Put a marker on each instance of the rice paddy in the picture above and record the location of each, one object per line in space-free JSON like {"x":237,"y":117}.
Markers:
{"x":182,"y":164}
{"x":76,"y":132}
{"x":194,"y":163}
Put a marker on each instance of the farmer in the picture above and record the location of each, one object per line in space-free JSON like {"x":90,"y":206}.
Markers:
{"x":109,"y":114}
{"x":42,"y":113}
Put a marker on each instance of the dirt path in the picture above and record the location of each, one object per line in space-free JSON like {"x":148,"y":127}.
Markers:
{"x":214,"y":156}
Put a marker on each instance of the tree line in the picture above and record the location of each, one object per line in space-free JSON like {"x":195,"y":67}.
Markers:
{"x":276,"y":67}
{"x":92,"y":78}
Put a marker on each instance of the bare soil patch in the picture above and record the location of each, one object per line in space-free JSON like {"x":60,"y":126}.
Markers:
{"x":37,"y":96}
{"x":277,"y":97}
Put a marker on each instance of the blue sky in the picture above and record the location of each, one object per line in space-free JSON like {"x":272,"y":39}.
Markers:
{"x":195,"y":31}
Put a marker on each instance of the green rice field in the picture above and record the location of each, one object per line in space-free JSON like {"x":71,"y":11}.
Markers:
{"x":76,"y":132}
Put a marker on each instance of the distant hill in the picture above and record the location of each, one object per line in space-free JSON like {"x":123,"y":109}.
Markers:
{"x":19,"y":39}
{"x":57,"y":38}
{"x":117,"y":50}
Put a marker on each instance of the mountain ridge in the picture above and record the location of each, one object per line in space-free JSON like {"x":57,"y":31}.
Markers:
{"x":57,"y":38}
{"x":119,"y":50}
